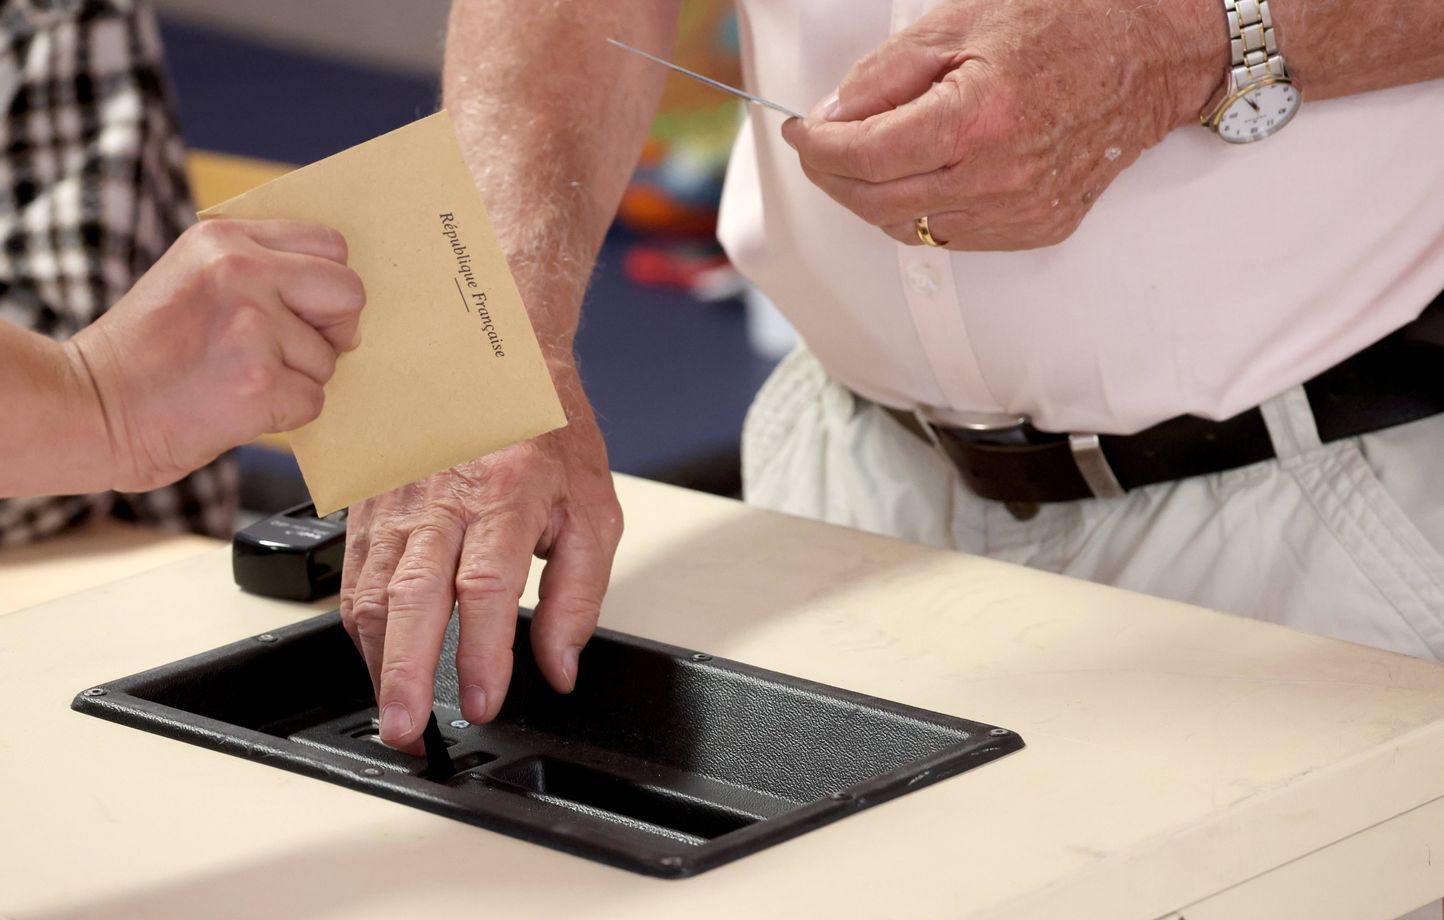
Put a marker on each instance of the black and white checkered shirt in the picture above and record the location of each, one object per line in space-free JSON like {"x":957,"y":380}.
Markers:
{"x":92,"y":191}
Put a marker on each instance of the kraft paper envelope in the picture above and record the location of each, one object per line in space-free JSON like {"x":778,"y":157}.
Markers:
{"x":448,"y":368}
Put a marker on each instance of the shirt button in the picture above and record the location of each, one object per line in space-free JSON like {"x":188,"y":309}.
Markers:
{"x":922,"y":278}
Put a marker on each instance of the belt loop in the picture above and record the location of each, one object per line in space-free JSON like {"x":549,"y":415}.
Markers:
{"x":927,"y":428}
{"x":1093,"y":466}
{"x":1291,"y":426}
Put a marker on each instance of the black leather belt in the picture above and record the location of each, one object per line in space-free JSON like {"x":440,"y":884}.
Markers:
{"x":1396,"y":380}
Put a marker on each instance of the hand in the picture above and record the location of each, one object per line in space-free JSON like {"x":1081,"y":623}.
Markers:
{"x":232,"y":333}
{"x":1004,"y":122}
{"x":466,"y":536}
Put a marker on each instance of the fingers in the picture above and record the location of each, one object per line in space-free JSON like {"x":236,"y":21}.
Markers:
{"x":970,"y":231}
{"x":495,"y":560}
{"x":295,"y":236}
{"x":358,"y":543}
{"x":926,"y":134}
{"x":302,"y":348}
{"x":900,"y":70}
{"x":898,"y":201}
{"x":369,"y":597}
{"x":294,"y":399}
{"x":303,"y":263}
{"x":569,"y":602}
{"x":418,"y":607}
{"x":326,"y":295}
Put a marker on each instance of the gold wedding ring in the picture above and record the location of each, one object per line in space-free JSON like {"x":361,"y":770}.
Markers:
{"x":924,"y":234}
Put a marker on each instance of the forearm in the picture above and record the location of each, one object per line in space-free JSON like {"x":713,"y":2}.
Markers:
{"x":1333,"y":47}
{"x":1338,"y":47}
{"x":552,"y":119}
{"x":53,"y":436}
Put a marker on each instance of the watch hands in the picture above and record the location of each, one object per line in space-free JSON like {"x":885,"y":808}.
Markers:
{"x":1252,"y":103}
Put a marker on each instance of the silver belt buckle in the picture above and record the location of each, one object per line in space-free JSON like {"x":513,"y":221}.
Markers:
{"x":1087,"y":451}
{"x":980,"y":422}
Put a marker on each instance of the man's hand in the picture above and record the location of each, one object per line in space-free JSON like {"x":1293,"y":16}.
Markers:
{"x":551,"y":143}
{"x":468,"y":535}
{"x":1004,"y":122}
{"x":232,"y":333}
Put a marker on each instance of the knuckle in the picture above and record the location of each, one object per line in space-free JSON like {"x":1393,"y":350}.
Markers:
{"x":400,"y":671}
{"x":351,"y":293}
{"x":210,"y":233}
{"x":944,"y":186}
{"x":368,"y":607}
{"x":414,"y":585}
{"x":333,"y":241}
{"x":493,"y":658}
{"x":312,"y":402}
{"x":256,"y":379}
{"x":860,"y":155}
{"x":227,"y":267}
{"x":483,"y":585}
{"x":327,"y":357}
{"x":867,"y":202}
{"x":584,"y":608}
{"x":506,"y":479}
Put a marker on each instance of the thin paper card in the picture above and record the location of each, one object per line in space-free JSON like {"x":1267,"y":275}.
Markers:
{"x":448,"y":368}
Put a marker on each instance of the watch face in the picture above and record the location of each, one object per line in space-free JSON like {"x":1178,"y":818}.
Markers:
{"x":1258,"y":112}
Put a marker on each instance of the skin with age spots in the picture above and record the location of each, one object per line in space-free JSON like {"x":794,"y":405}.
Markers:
{"x":954,"y":117}
{"x":982,"y":113}
{"x":551,"y":143}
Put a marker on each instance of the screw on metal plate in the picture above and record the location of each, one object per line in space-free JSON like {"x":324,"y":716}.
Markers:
{"x":370,"y":771}
{"x":671,"y":862}
{"x":698,"y":656}
{"x":460,"y":723}
{"x":95,"y":691}
{"x":265,"y":637}
{"x":999,"y":731}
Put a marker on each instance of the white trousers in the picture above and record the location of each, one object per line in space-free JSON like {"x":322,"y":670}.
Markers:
{"x":1343,"y":539}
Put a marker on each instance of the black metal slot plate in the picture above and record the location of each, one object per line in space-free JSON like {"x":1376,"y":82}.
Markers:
{"x":662,"y":761}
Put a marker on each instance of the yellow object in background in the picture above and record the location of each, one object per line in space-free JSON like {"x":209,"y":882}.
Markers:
{"x":706,"y":43}
{"x":217,"y":177}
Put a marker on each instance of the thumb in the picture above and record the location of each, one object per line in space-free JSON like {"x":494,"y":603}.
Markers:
{"x":897,"y":72}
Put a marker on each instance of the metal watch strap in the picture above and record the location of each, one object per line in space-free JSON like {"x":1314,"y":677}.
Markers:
{"x":1253,"y":42}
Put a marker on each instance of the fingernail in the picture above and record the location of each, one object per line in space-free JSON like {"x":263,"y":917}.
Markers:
{"x":395,"y":721}
{"x":473,"y":702}
{"x":569,"y":665}
{"x":825,"y":109}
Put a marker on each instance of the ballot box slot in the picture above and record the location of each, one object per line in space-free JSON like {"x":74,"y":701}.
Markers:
{"x":356,"y":735}
{"x":663,"y":760}
{"x":573,"y":785}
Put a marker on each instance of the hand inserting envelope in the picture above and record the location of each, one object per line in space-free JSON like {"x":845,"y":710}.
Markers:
{"x":448,"y":368}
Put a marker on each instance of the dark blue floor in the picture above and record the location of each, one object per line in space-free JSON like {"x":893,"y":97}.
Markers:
{"x":670,"y":378}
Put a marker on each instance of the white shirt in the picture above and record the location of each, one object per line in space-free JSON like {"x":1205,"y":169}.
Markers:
{"x":1208,"y":277}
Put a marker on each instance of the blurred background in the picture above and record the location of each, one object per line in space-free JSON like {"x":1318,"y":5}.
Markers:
{"x":269,"y":84}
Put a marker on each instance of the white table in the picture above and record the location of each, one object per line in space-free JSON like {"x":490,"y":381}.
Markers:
{"x":99,"y":552}
{"x":1179,"y":762}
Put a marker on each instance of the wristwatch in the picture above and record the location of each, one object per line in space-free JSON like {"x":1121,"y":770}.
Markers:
{"x":1258,"y":95}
